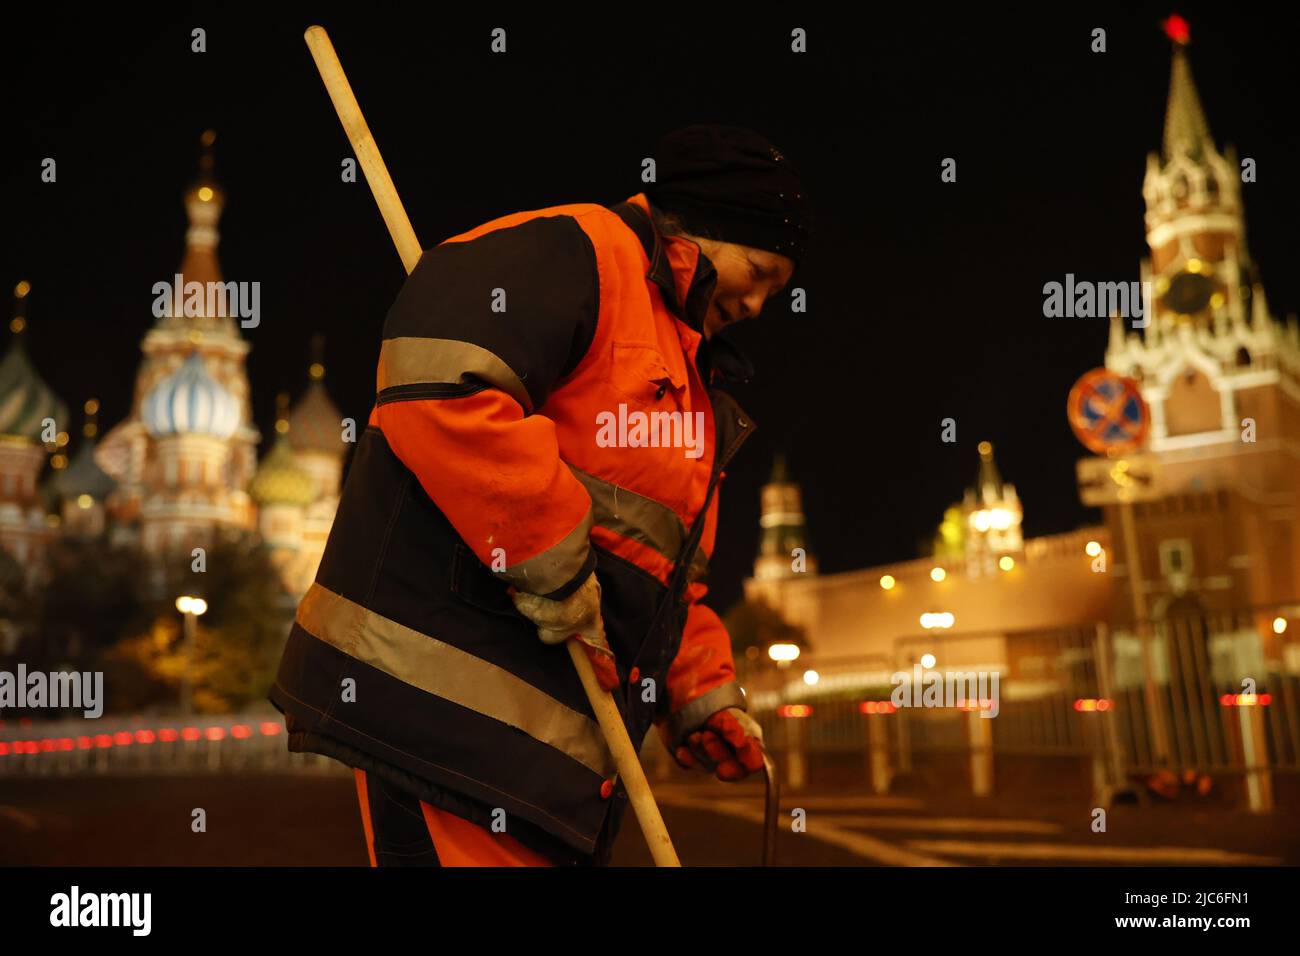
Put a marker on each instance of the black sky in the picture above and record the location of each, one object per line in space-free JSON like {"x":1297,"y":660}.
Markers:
{"x":925,"y":297}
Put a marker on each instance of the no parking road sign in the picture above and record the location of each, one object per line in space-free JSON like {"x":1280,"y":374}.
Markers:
{"x":1108,"y":413}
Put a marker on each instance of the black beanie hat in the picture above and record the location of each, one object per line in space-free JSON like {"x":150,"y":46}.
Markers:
{"x":734,"y":185}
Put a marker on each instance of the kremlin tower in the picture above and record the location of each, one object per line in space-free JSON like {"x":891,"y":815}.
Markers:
{"x":992,"y":516}
{"x":1220,"y":374}
{"x":783,"y":548}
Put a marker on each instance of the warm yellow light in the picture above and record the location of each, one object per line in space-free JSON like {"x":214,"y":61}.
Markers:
{"x":941,"y":620}
{"x":811,"y":677}
{"x":91,"y":406}
{"x":980,"y":520}
{"x":887,"y":582}
{"x":1194,"y":265}
{"x":1092,"y":549}
{"x":282,"y":426}
{"x":61,"y":439}
{"x":84,"y":501}
{"x":17,"y":324}
{"x":191,"y":605}
{"x":1001,"y":519}
{"x":317,"y":370}
{"x":1217,"y":300}
{"x":21,"y":289}
{"x":783,"y":652}
{"x":1006,"y":562}
{"x":1279,"y":625}
{"x":205,"y":193}
{"x":927,"y":660}
{"x":938,"y":574}
{"x":58,"y":461}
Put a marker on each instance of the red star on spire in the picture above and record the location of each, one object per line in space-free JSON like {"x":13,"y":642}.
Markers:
{"x":1176,"y":29}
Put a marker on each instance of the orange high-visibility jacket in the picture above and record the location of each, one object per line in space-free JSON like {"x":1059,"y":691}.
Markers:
{"x":544,"y":408}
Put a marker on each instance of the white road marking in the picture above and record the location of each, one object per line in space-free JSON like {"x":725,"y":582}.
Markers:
{"x":809,"y":802}
{"x":852,"y":803}
{"x":1112,"y":854}
{"x":830,"y":826}
{"x":857,"y":843}
{"x":947,"y":824}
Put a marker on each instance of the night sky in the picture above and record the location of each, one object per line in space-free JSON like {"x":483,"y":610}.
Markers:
{"x":925,"y":297}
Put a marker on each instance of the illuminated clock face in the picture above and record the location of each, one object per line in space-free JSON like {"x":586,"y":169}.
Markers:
{"x":1188,"y":293}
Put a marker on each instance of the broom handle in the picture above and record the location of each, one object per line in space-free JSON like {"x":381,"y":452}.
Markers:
{"x":625,"y":760}
{"x":625,"y":756}
{"x":363,"y":144}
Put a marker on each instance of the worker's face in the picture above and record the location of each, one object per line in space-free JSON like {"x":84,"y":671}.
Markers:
{"x":747,"y":278}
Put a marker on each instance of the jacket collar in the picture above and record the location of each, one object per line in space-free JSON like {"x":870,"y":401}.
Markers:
{"x":716,"y":356}
{"x":635,"y":213}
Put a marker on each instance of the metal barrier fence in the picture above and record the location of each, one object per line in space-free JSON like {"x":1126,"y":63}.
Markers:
{"x":1206,"y":693}
{"x":1215,"y":693}
{"x":160,"y":744}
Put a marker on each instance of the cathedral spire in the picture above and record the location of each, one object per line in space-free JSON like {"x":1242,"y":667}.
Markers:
{"x":27,"y":401}
{"x":203,"y":203}
{"x":1186,"y":130}
{"x":315,"y":420}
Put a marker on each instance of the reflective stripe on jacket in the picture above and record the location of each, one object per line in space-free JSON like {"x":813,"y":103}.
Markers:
{"x":543,"y":409}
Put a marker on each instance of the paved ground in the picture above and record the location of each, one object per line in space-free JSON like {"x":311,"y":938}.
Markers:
{"x":268,"y":820}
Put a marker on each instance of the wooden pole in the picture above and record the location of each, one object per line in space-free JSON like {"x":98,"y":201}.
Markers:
{"x":626,"y":760}
{"x":363,"y":144}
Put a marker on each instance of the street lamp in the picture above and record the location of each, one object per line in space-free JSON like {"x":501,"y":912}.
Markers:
{"x":191,"y":608}
{"x":783,"y":653}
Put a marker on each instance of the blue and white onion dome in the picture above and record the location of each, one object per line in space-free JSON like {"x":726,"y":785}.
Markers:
{"x":190,"y":402}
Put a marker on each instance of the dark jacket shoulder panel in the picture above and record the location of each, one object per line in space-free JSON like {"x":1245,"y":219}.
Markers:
{"x":527,"y":293}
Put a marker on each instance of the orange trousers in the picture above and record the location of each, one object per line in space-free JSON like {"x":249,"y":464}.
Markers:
{"x":402,"y":830}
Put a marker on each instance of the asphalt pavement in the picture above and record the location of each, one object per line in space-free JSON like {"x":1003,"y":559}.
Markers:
{"x":313,"y":820}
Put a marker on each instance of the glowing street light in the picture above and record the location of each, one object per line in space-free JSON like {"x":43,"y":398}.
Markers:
{"x":937,"y":574}
{"x":887,"y":582}
{"x":1092,"y":549}
{"x":811,"y":677}
{"x":191,"y":608}
{"x":783,"y":653}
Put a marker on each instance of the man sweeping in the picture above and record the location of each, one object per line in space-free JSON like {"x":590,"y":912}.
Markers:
{"x":492,"y":512}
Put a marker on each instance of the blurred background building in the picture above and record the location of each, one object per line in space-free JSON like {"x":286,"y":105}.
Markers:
{"x":182,"y":467}
{"x":1216,"y":533}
